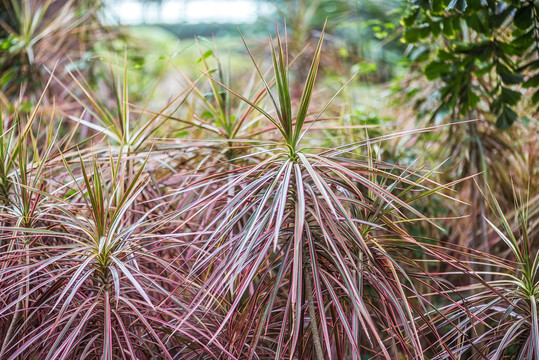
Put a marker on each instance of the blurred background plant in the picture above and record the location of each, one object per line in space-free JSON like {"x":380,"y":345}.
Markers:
{"x":475,"y":61}
{"x":38,"y":36}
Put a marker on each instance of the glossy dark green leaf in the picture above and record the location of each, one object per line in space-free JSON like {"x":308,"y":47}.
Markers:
{"x":506,"y":118}
{"x":510,"y":97}
{"x":434,"y":69}
{"x":476,"y":23}
{"x":511,"y":78}
{"x":410,"y":18}
{"x":445,"y":55}
{"x":470,"y":100}
{"x":437,"y":6}
{"x":524,"y":41}
{"x":506,"y":49}
{"x":531,"y":82}
{"x":447,"y":27}
{"x":436,"y":28}
{"x":482,"y":50}
{"x":508,"y":76}
{"x":523,"y":17}
{"x":475,"y":4}
{"x":463,"y":48}
{"x":486,"y":54}
{"x":414,"y":34}
{"x":535,"y":97}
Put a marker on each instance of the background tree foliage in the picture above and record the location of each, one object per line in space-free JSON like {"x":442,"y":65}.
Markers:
{"x":483,"y":52}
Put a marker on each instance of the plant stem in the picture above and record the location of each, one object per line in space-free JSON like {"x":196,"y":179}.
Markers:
{"x":12,"y":325}
{"x":312,"y":314}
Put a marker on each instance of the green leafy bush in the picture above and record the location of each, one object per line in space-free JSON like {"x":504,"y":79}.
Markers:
{"x":482,"y":52}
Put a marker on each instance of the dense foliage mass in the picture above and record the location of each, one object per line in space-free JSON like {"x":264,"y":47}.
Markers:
{"x":486,"y":49}
{"x":153,"y":211}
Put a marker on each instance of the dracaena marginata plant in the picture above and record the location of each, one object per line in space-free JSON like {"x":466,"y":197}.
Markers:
{"x":225,"y":132}
{"x":88,"y":280}
{"x":498,"y":319}
{"x":41,"y":34}
{"x":128,"y":130}
{"x":126,"y":127}
{"x":308,"y":256}
{"x":223,"y":115}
